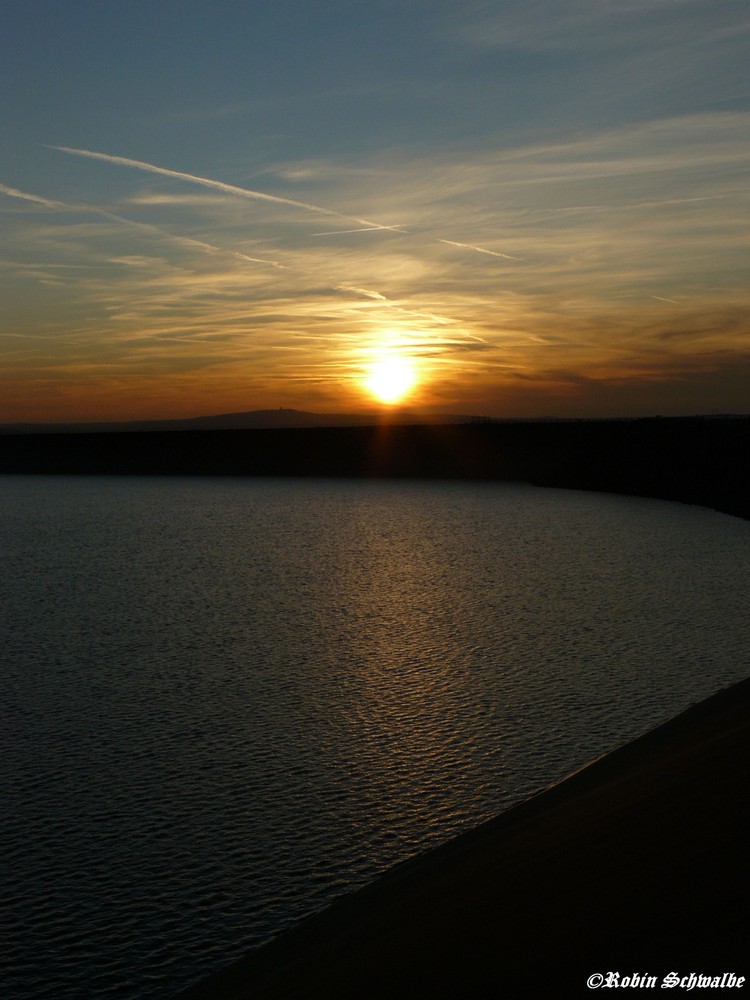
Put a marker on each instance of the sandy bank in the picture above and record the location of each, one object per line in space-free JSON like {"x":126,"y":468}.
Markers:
{"x":639,"y":864}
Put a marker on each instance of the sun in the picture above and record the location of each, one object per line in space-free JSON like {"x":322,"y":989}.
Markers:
{"x":391,"y":378}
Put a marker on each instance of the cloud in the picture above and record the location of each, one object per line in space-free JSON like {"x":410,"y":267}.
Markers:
{"x":365,"y":292}
{"x":606,"y":230}
{"x":184,"y":241}
{"x":469,"y":246}
{"x":366,"y":229}
{"x":25,"y":196}
{"x":216,"y":185}
{"x":162,"y":198}
{"x":600,"y":24}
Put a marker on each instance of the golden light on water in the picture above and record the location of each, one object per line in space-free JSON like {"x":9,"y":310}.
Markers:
{"x":391,"y":377}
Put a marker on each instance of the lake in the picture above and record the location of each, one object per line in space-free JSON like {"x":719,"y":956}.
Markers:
{"x":227,"y":701}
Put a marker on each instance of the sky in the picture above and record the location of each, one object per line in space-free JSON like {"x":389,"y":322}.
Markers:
{"x":467,"y":206}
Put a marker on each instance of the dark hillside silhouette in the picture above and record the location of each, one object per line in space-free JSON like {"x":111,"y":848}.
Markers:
{"x":696,"y":460}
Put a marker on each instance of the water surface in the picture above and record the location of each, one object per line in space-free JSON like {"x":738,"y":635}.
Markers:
{"x":227,"y":701}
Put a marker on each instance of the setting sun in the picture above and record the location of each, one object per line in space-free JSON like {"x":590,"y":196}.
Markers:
{"x":390,"y":378}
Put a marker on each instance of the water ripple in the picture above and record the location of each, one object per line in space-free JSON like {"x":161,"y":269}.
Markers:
{"x":226,"y":702}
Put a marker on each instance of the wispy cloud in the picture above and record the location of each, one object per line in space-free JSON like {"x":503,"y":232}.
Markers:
{"x":365,"y":229}
{"x":619,"y":260}
{"x":469,"y":246}
{"x":151,"y":198}
{"x":25,"y":196}
{"x":232,"y":189}
{"x":365,"y":292}
{"x":185,"y":241}
{"x":598,"y":24}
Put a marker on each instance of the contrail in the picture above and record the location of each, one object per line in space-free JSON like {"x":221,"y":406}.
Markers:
{"x":186,"y":241}
{"x":366,"y":229}
{"x":660,"y":298}
{"x":469,"y":246}
{"x":216,"y":185}
{"x":366,"y":292}
{"x":210,"y":248}
{"x":25,"y":196}
{"x":93,"y":210}
{"x":366,"y":225}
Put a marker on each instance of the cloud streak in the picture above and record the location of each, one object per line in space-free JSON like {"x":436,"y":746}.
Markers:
{"x":25,"y":196}
{"x":365,"y":229}
{"x":592,"y":24}
{"x":232,"y":189}
{"x":607,"y":226}
{"x":469,"y":246}
{"x":185,"y":241}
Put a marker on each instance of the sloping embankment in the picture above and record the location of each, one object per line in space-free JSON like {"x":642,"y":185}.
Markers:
{"x":637,"y":864}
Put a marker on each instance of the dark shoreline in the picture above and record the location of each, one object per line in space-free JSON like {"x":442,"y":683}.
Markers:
{"x":695,"y":460}
{"x":637,"y":863}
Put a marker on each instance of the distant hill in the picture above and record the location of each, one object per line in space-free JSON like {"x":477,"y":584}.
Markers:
{"x":251,"y":420}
